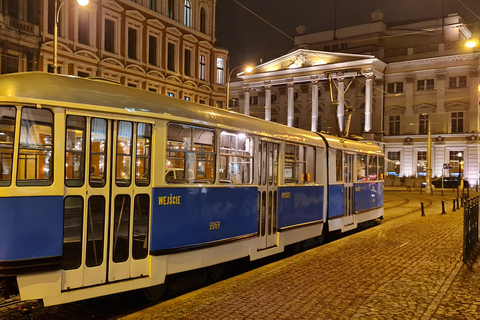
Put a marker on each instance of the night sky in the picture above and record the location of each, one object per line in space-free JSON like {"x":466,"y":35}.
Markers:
{"x":248,"y":38}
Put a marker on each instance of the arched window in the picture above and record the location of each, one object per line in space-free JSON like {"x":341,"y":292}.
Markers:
{"x":188,"y":14}
{"x":203,"y":22}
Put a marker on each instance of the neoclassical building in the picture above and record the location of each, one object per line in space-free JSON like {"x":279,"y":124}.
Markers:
{"x":384,"y":83}
{"x":164,"y":46}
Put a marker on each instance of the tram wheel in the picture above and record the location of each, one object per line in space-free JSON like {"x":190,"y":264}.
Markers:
{"x":215,"y":272}
{"x":154,"y":293}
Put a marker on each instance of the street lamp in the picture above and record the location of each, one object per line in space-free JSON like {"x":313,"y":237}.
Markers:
{"x":247,"y":69}
{"x":460,"y":170}
{"x":58,"y":8}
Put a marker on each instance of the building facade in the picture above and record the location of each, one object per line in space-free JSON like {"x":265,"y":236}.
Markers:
{"x":164,"y":46}
{"x":422,"y":76}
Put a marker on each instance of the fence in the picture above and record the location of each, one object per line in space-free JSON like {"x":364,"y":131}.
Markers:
{"x":470,"y":226}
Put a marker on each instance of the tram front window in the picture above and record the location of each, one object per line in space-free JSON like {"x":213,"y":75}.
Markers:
{"x":35,"y":158}
{"x":7,"y":135}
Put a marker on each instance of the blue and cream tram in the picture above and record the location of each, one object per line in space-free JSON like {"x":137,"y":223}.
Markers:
{"x":105,"y":188}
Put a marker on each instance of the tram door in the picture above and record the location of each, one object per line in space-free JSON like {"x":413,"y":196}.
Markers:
{"x":349,"y":188}
{"x":268,"y":195}
{"x":107,"y":201}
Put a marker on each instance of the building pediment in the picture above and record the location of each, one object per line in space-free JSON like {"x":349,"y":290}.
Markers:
{"x":190,"y":38}
{"x":190,"y":83}
{"x":394,"y":110}
{"x":457,"y":106}
{"x":174,"y":31}
{"x":134,"y":14}
{"x":113,"y":5}
{"x":205,"y":44}
{"x":155,"y":23}
{"x":112,"y":62}
{"x":157,"y":74}
{"x":85,"y":54}
{"x":136,"y":68}
{"x":174,"y":79}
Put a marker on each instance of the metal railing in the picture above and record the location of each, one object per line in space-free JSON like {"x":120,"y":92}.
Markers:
{"x":470,"y":226}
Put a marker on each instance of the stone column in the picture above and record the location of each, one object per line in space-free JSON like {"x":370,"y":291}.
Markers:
{"x":440,"y":86}
{"x":410,"y":81}
{"x":341,"y":104}
{"x":290,"y":104}
{"x":368,"y":102}
{"x":268,"y":101}
{"x":314,"y":105}
{"x":246,"y":105}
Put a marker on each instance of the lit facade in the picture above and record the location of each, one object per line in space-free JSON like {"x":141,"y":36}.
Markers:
{"x":428,"y":77}
{"x":163,"y":46}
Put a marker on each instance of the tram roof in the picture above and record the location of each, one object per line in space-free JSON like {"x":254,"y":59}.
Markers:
{"x":83,"y":93}
{"x":351,"y":145}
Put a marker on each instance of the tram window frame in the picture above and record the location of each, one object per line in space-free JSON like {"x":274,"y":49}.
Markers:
{"x":381,"y":167}
{"x":362,"y":159}
{"x":190,"y":153}
{"x":102,"y":153}
{"x":143,"y":143}
{"x":94,"y":249}
{"x":339,"y":165}
{"x":372,"y":167}
{"x":123,"y":168}
{"x":8,"y":117}
{"x":72,"y":250}
{"x":141,"y":221}
{"x":45,"y":149}
{"x":297,"y":164}
{"x":236,"y":158}
{"x":71,"y":148}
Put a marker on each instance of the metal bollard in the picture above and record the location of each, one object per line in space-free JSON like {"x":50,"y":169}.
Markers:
{"x":461,"y":201}
{"x":423,"y":209}
{"x":457,"y":204}
{"x":454,"y":209}
{"x":443,"y":207}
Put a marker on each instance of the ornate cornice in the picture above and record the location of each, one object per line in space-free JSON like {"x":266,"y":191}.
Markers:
{"x":463,"y":57}
{"x":441,"y":75}
{"x":409,"y":78}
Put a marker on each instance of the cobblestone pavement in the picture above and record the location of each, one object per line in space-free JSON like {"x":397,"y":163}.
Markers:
{"x":409,"y":267}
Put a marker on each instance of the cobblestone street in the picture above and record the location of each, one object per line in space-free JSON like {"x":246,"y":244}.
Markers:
{"x":409,"y":267}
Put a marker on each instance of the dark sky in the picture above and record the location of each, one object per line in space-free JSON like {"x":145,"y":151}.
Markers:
{"x":247,"y":37}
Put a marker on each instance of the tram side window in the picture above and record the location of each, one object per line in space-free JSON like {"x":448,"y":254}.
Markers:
{"x":339,"y":165}
{"x":95,"y":231}
{"x":98,"y":152}
{"x":144,"y":145}
{"x":372,"y":168}
{"x":299,"y":164}
{"x":361,"y":167}
{"x":35,"y":158}
{"x":124,"y":154}
{"x":236,"y":158}
{"x":7,"y":137}
{"x":190,"y":154}
{"x":72,"y":232}
{"x":140,"y":226}
{"x":75,"y":151}
{"x":381,"y":167}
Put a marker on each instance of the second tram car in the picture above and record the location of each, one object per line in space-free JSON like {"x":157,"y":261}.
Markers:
{"x":105,"y":188}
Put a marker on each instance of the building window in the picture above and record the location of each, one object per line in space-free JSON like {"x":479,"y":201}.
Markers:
{"x":395,"y":87}
{"x":83,"y":74}
{"x":202,"y":68}
{"x":83,"y":27}
{"x":31,"y":65}
{"x":203,"y":21}
{"x":187,"y":63}
{"x":234,"y":102}
{"x":188,"y":14}
{"x":273,"y":97}
{"x":219,"y":104}
{"x":295,"y":96}
{"x":32,"y":12}
{"x":426,"y":84}
{"x":457,"y":122}
{"x":393,"y":165}
{"x":422,"y":163}
{"x":132,"y":43}
{"x":253,"y":100}
{"x":171,"y":9}
{"x":423,"y":124}
{"x":394,"y":125}
{"x":220,"y":71}
{"x":319,"y":124}
{"x":51,"y":18}
{"x":457,"y":82}
{"x":171,"y":94}
{"x":201,"y":101}
{"x":131,"y":85}
{"x":152,"y":50}
{"x":109,"y":36}
{"x":187,"y":98}
{"x":171,"y":57}
{"x":11,"y":65}
{"x":455,"y":162}
{"x":153,"y":5}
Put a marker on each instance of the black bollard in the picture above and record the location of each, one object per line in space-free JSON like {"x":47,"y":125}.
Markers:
{"x":457,"y":204}
{"x":454,"y":209}
{"x":461,"y":201}
{"x":423,"y":209}
{"x":443,"y":207}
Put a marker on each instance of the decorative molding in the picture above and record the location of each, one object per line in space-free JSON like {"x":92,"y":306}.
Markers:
{"x":407,"y":141}
{"x":441,"y":75}
{"x":473,"y":73}
{"x":434,"y":61}
{"x":134,"y":14}
{"x":410,"y":78}
{"x":439,"y":140}
{"x":190,"y":38}
{"x":174,"y":31}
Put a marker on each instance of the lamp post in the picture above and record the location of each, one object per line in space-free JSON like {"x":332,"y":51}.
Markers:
{"x":58,"y":8}
{"x":460,"y":170}
{"x":248,"y":69}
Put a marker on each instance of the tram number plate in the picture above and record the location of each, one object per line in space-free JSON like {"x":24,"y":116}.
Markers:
{"x":215,"y":225}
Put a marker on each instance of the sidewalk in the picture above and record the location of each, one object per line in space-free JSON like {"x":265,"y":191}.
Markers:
{"x":409,"y":267}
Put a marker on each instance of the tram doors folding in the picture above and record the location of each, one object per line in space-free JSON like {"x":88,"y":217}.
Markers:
{"x":107,"y":200}
{"x":349,"y":188}
{"x":268,"y":195}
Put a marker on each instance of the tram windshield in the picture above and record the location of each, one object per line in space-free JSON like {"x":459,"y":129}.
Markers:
{"x":7,"y":137}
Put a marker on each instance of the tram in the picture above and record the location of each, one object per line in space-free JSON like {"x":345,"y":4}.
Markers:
{"x":106,"y":188}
